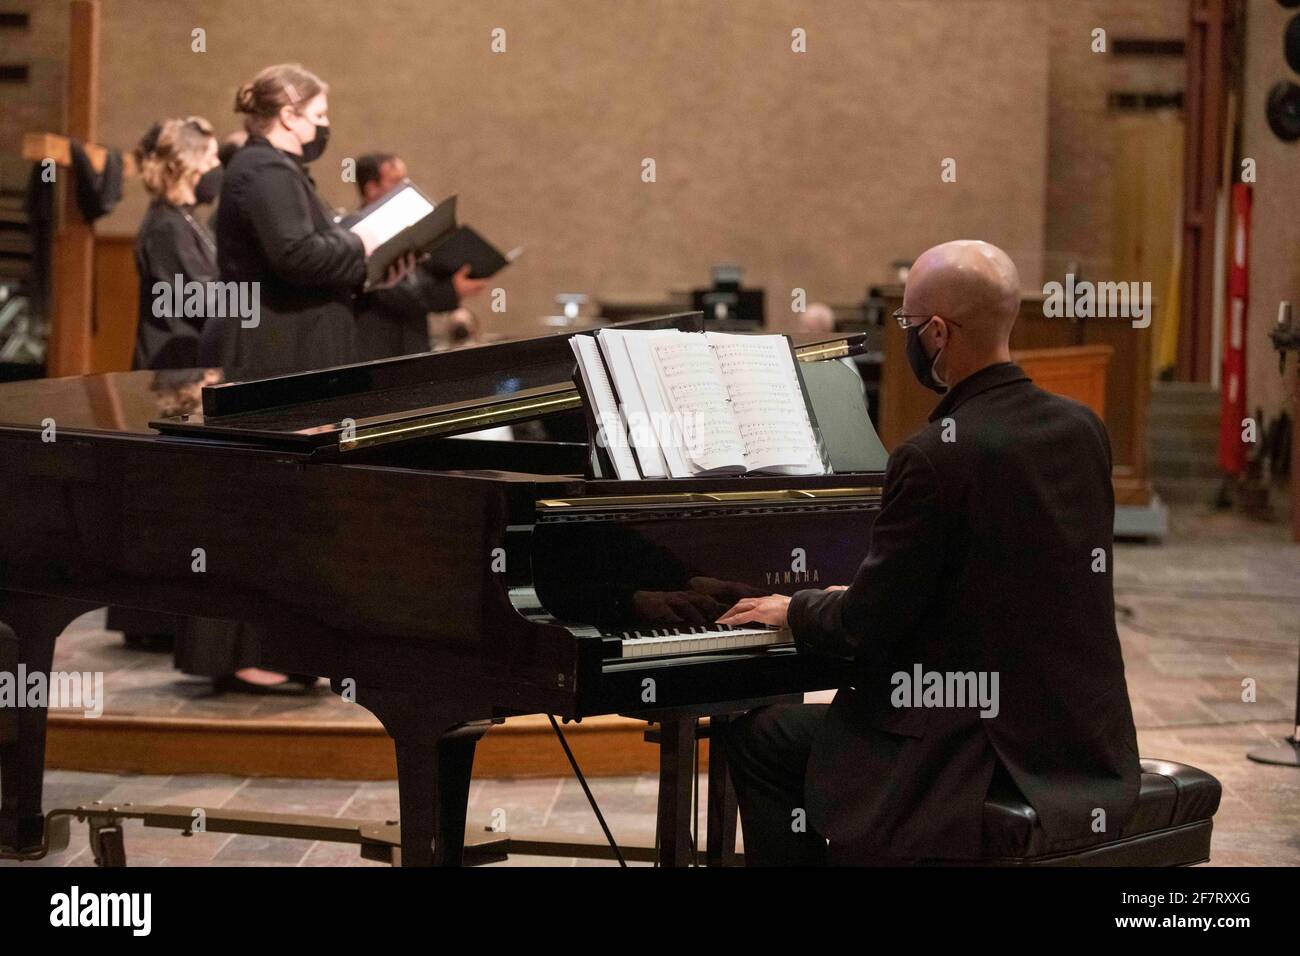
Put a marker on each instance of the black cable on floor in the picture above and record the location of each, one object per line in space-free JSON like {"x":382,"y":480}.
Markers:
{"x":577,"y":772}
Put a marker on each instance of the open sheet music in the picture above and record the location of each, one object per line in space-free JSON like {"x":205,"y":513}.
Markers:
{"x":668,"y":403}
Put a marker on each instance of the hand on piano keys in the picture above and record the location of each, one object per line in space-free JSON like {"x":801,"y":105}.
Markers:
{"x":773,"y":610}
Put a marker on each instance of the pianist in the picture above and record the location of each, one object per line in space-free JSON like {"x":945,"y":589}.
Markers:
{"x":988,"y":566}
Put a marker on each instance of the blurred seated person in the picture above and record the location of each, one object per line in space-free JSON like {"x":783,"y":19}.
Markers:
{"x":817,"y":318}
{"x":394,"y":321}
{"x":456,"y":329}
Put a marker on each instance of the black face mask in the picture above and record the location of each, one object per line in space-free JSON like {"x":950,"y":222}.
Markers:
{"x":922,"y":364}
{"x":208,"y":188}
{"x":312,"y":151}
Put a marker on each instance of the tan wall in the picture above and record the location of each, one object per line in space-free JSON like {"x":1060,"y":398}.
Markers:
{"x":1275,"y":229}
{"x":812,"y":170}
{"x":43,"y":46}
{"x":1082,"y":147}
{"x":587,"y":110}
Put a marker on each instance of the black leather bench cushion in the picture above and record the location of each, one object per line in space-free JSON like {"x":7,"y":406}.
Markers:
{"x":1172,"y":795}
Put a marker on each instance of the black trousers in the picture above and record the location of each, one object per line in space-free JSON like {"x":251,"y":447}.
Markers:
{"x":767,"y":753}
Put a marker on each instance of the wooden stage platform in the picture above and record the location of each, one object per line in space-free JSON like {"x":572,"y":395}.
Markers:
{"x":157,"y":720}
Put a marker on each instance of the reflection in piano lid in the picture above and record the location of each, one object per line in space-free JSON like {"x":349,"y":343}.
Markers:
{"x":417,"y":396}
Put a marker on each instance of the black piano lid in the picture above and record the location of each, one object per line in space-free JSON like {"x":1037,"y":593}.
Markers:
{"x":413,"y":396}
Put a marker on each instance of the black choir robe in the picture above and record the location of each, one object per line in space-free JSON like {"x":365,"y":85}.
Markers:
{"x":273,"y":228}
{"x":394,"y":321}
{"x":171,"y":243}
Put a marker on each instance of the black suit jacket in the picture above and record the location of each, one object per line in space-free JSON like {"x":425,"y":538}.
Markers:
{"x":991,"y":553}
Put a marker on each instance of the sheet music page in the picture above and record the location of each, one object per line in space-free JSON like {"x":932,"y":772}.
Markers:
{"x":762,"y":383}
{"x":405,"y":208}
{"x":635,"y":413}
{"x":660,"y":418}
{"x":698,"y":398}
{"x":612,"y":432}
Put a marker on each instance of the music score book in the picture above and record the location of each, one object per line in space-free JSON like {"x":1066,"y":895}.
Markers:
{"x":668,"y":403}
{"x":406,"y":221}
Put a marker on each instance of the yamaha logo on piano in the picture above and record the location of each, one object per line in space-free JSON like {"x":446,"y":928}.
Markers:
{"x":793,"y":577}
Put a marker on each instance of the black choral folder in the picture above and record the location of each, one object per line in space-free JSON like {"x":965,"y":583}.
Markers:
{"x":467,"y":247}
{"x":407,"y":221}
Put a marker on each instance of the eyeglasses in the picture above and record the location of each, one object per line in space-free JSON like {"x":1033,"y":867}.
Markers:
{"x":904,"y":319}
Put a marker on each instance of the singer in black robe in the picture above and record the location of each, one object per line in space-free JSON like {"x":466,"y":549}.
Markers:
{"x":274,"y":229}
{"x":171,"y":243}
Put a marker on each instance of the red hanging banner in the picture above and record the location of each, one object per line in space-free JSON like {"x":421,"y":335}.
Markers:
{"x":1233,"y":451}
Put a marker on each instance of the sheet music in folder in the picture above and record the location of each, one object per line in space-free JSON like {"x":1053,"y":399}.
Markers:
{"x":403,"y":222}
{"x":406,"y":221}
{"x":402,"y":209}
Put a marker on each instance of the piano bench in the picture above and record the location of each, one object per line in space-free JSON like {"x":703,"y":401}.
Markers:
{"x":1170,"y":826}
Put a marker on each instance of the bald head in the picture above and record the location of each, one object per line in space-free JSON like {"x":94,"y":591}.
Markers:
{"x":972,"y":283}
{"x":973,"y":288}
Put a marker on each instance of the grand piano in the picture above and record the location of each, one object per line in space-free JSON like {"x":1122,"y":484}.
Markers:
{"x":441,"y":581}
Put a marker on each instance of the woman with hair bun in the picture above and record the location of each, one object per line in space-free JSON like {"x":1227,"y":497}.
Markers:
{"x":273,"y":229}
{"x":178,"y":166}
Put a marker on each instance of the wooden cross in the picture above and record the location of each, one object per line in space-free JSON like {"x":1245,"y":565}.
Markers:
{"x":72,"y":260}
{"x":39,"y":147}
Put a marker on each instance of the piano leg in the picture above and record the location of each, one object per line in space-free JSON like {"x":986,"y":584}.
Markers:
{"x":35,"y":622}
{"x":435,"y":755}
{"x":433,"y":778}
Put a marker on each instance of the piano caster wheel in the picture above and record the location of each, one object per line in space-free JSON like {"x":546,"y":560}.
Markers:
{"x":107,"y":845}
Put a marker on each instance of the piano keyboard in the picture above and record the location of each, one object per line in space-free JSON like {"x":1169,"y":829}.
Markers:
{"x":663,"y":642}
